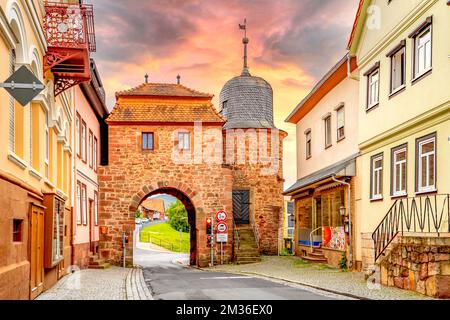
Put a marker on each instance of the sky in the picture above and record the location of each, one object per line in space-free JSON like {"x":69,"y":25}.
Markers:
{"x":293,"y":43}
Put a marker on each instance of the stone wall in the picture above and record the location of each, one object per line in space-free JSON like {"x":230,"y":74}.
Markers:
{"x":133,"y":174}
{"x":265,"y":181}
{"x":419,"y":264}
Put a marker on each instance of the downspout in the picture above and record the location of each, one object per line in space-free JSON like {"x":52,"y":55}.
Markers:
{"x":350,"y":246}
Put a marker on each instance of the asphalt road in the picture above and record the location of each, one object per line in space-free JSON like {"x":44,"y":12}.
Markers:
{"x":168,"y":280}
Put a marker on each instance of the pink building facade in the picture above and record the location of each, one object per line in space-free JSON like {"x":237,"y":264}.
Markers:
{"x":90,"y":112}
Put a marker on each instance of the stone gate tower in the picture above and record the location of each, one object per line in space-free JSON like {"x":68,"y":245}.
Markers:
{"x":254,"y":151}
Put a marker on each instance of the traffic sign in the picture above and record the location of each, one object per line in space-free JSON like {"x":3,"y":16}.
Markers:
{"x":222,"y":215}
{"x":23,"y":85}
{"x":222,"y":237}
{"x":222,"y":227}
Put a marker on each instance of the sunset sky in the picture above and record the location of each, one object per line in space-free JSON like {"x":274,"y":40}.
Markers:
{"x":292,"y":44}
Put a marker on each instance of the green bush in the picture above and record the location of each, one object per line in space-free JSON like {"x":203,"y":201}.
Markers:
{"x":343,"y":261}
{"x":178,"y":216}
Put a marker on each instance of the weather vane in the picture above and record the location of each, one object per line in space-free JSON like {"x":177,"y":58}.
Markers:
{"x":244,"y":27}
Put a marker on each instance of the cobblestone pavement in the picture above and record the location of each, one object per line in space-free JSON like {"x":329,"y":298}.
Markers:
{"x":319,"y":276}
{"x":114,"y":283}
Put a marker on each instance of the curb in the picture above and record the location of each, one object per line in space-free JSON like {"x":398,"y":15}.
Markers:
{"x":136,"y":288}
{"x":270,"y":278}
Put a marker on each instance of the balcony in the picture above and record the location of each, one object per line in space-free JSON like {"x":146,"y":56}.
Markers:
{"x":70,"y":34}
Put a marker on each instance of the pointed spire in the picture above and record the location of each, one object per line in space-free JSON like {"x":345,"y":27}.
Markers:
{"x":178,"y":79}
{"x":146,"y":78}
{"x":245,"y":41}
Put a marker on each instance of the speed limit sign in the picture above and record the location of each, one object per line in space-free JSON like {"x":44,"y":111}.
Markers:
{"x":222,"y":228}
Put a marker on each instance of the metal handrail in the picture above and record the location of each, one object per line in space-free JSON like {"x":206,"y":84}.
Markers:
{"x":255,"y":230}
{"x":236,"y":235}
{"x":311,"y":243}
{"x":415,"y":214}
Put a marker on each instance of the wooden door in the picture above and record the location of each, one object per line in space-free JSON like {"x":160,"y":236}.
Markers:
{"x":36,"y":252}
{"x":241,"y":206}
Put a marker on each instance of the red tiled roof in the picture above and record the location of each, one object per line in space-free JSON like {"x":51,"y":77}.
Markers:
{"x":159,"y":112}
{"x":163,"y":89}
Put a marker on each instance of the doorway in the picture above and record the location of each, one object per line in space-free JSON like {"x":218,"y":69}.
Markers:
{"x":241,"y":206}
{"x":36,"y":251}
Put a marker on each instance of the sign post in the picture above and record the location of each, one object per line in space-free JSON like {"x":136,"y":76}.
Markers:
{"x":181,"y":235}
{"x":222,"y":231}
{"x":212,"y":241}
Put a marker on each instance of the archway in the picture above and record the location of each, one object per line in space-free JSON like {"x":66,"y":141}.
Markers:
{"x":190,"y":208}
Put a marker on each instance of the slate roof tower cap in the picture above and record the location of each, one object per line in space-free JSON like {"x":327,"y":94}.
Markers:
{"x":247,"y":101}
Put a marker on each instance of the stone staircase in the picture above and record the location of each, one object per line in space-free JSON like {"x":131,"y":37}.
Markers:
{"x":248,"y":251}
{"x":96,"y":263}
{"x":316,"y":255}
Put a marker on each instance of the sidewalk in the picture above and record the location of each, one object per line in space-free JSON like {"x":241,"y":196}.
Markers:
{"x":114,"y":283}
{"x":319,"y":276}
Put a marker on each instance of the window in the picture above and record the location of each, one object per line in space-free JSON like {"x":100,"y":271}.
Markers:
{"x":376,"y":180}
{"x":79,"y":204}
{"x":224,"y":106}
{"x":17,"y":230}
{"x":83,"y":141}
{"x":399,"y":171}
{"x":78,"y":135}
{"x":84,"y":204}
{"x":47,"y":146}
{"x":426,"y":164}
{"x":91,"y":149}
{"x":308,"y":144}
{"x":373,"y":88}
{"x":327,"y":125}
{"x":398,"y":70}
{"x":147,"y":141}
{"x":340,"y":123}
{"x":422,"y":52}
{"x":95,"y":154}
{"x":96,"y":208}
{"x":183,"y":140}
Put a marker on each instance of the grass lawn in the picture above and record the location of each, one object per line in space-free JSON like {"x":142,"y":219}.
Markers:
{"x":165,"y":236}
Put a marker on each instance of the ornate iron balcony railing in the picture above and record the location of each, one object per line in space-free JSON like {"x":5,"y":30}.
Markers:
{"x":426,"y":214}
{"x":69,"y":25}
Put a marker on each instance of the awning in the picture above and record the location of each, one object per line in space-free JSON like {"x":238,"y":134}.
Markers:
{"x":344,"y":168}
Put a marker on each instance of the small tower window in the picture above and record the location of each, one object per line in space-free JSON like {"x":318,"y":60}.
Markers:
{"x":17,"y":230}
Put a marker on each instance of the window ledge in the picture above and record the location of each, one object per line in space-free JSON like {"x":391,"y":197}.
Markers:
{"x":340,"y":139}
{"x":425,"y":192}
{"x":17,"y":160}
{"x":372,"y":107}
{"x":328,"y":146}
{"x":48,"y":183}
{"x":398,"y":196}
{"x":376,"y":199}
{"x":397,"y":91}
{"x":35,"y":174}
{"x":421,"y":76}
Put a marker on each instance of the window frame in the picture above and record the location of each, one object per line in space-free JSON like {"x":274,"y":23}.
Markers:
{"x":84,"y":200}
{"x":182,"y":146}
{"x":394,"y":152}
{"x":402,"y":50}
{"x":152,"y":134}
{"x":47,"y":146}
{"x":340,"y":108}
{"x":91,"y":149}
{"x":78,"y":212}
{"x":95,"y":154}
{"x":328,"y":131}
{"x":369,"y":87}
{"x":415,"y":73}
{"x":17,"y":236}
{"x":373,"y":171}
{"x":419,"y":142}
{"x":308,"y":144}
{"x":78,"y":135}
{"x":84,"y":141}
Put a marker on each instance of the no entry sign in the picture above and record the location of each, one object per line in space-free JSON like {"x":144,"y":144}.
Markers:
{"x":221,"y":216}
{"x":222,"y":227}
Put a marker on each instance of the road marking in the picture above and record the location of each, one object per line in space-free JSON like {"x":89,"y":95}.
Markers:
{"x":224,"y":278}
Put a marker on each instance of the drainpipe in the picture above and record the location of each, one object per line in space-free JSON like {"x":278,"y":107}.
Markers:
{"x":350,"y":246}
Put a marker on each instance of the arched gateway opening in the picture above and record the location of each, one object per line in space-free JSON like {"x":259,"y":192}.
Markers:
{"x":190,"y":208}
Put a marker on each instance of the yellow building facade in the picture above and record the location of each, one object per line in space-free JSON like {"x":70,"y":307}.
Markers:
{"x":402,"y":50}
{"x":35,"y":162}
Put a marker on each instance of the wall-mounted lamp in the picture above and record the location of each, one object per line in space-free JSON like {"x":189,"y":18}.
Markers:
{"x":342,"y":211}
